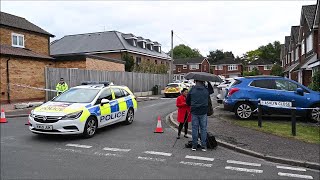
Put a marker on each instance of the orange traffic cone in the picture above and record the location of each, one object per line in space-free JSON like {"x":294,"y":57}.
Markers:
{"x":28,"y":123}
{"x":3,"y":117}
{"x":159,"y":127}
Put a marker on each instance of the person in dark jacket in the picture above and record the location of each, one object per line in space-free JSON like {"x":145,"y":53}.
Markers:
{"x":197,"y":99}
{"x":184,"y":115}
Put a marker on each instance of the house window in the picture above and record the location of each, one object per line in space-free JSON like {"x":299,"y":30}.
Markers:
{"x":134,"y":42}
{"x":143,"y":45}
{"x":297,"y":54}
{"x":174,"y":67}
{"x":302,"y":47}
{"x":232,"y":67}
{"x":267,"y":67}
{"x":159,"y":48}
{"x":148,"y":60}
{"x":151,"y":47}
{"x":219,"y":67}
{"x":184,"y":66}
{"x":250,"y":68}
{"x":292,"y":58}
{"x":194,"y":66}
{"x":161,"y":62}
{"x":179,"y":69}
{"x":309,"y":43}
{"x":17,"y":40}
{"x":138,"y":60}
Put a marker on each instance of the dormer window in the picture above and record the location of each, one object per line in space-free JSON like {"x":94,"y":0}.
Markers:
{"x":143,"y":45}
{"x":151,"y":47}
{"x":134,"y":42}
{"x":17,"y":40}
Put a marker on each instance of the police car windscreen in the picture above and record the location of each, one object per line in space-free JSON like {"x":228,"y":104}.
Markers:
{"x":78,"y":95}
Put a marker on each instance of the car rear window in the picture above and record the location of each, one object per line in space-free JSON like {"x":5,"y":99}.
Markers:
{"x":264,"y":83}
{"x":172,"y":85}
{"x":236,"y":82}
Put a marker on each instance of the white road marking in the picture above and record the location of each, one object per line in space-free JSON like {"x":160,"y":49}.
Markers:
{"x":199,"y":158}
{"x":107,"y":154}
{"x":158,"y":153}
{"x":244,"y":169}
{"x":196,"y":164}
{"x":69,"y":150}
{"x":243,"y":163}
{"x":291,"y":168}
{"x":79,"y":146}
{"x":295,"y":175}
{"x":151,"y":159}
{"x":116,"y":149}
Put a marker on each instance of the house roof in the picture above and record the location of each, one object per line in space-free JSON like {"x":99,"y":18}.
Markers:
{"x":317,"y":18}
{"x":260,"y":62}
{"x":227,"y":61}
{"x":282,"y":53}
{"x":304,"y":65}
{"x":108,"y":41}
{"x":286,"y":43}
{"x":289,"y":69}
{"x":14,"y":51}
{"x":195,"y":60}
{"x":21,"y":23}
{"x":309,"y":12}
{"x":295,"y":33}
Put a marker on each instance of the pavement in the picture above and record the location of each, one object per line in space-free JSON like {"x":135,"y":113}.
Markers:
{"x":258,"y":144}
{"x":129,"y":152}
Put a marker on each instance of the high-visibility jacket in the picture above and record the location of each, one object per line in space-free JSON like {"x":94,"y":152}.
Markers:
{"x":61,"y":87}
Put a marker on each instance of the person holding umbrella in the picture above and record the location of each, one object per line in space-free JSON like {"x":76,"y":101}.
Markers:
{"x":184,"y":116}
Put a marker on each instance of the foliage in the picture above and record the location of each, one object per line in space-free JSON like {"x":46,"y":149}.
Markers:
{"x":148,"y":67}
{"x":270,"y":51}
{"x":184,"y":51}
{"x":254,"y":72}
{"x":315,"y":84}
{"x":276,"y":70}
{"x":129,"y":62}
{"x":218,"y":54}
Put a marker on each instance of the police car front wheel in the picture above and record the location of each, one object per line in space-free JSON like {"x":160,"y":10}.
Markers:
{"x":130,"y":116}
{"x":90,"y":127}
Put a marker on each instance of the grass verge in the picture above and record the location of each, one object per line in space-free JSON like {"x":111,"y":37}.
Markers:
{"x":306,"y":133}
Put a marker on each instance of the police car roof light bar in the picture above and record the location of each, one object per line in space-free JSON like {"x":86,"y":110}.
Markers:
{"x":105,"y":83}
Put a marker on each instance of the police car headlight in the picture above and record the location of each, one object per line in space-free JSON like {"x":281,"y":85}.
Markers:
{"x":72,"y":116}
{"x":32,"y":114}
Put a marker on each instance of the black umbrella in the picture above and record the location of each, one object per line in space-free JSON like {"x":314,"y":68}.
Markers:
{"x":203,"y":76}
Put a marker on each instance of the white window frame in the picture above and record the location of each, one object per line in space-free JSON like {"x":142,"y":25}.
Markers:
{"x":134,"y":42}
{"x":179,"y":69}
{"x":232,"y":67}
{"x":151,"y":47}
{"x":265,"y":67}
{"x":292,"y":58}
{"x":143,"y":45}
{"x":159,"y":48}
{"x":194,"y":66}
{"x":218,"y":67}
{"x":17,"y":35}
{"x":302,"y":47}
{"x":309,"y":43}
{"x":184,"y":67}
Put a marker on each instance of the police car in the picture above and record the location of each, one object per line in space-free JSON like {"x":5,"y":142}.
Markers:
{"x":83,"y":109}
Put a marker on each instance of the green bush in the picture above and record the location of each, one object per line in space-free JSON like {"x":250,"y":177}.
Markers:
{"x":315,"y":84}
{"x":254,"y":72}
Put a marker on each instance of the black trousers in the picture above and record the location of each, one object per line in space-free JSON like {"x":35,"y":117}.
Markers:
{"x":185,"y":128}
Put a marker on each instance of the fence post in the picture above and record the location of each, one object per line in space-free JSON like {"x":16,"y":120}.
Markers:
{"x":293,"y":118}
{"x":259,"y":113}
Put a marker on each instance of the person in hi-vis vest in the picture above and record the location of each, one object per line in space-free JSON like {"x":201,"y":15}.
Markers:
{"x":61,"y":86}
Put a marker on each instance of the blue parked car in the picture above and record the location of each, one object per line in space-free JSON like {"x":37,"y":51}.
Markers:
{"x":242,"y":97}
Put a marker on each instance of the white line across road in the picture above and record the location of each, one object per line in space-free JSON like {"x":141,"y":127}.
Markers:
{"x":151,"y":159}
{"x":79,"y":146}
{"x":295,"y":175}
{"x":199,"y":158}
{"x":116,"y":149}
{"x":196,"y":164}
{"x":243,"y":163}
{"x":291,"y":168}
{"x":158,"y":153}
{"x":244,"y":169}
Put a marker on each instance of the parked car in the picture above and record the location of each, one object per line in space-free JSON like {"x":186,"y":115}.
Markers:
{"x":242,"y":97}
{"x":188,"y":83}
{"x":173,"y":89}
{"x":222,"y":89}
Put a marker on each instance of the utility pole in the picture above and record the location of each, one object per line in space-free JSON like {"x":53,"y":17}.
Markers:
{"x":171,"y":62}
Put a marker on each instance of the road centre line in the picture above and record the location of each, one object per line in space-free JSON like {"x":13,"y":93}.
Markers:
{"x":196,"y":164}
{"x":243,"y":163}
{"x":244,"y":169}
{"x":116,"y":149}
{"x":199,"y":158}
{"x":79,"y":146}
{"x":291,"y":168}
{"x":151,"y":159}
{"x":158,"y":153}
{"x":295,"y":175}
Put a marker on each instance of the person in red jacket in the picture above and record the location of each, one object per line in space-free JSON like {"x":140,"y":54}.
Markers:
{"x":183,"y":112}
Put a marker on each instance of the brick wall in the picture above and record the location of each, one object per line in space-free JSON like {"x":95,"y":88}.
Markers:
{"x":33,"y":76}
{"x":204,"y":67}
{"x":116,"y":55}
{"x":306,"y":74}
{"x":81,"y":64}
{"x":294,"y":76}
{"x":264,"y":72}
{"x":225,"y":72}
{"x":95,"y":64}
{"x":34,"y":41}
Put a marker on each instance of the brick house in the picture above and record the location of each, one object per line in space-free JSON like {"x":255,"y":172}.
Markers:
{"x":228,"y":67}
{"x":293,"y":53}
{"x":308,"y":39}
{"x":315,"y":65}
{"x":186,"y":65}
{"x":24,"y":54}
{"x":264,"y":66}
{"x":111,"y":45}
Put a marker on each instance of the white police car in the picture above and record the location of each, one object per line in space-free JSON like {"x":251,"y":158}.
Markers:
{"x":83,"y":109}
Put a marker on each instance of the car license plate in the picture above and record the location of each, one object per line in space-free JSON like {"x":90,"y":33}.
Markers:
{"x":44,"y":127}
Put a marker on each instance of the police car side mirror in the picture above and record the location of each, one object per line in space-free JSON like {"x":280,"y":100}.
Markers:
{"x":104,"y":101}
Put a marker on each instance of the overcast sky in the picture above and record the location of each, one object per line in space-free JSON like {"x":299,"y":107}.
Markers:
{"x":237,"y":26}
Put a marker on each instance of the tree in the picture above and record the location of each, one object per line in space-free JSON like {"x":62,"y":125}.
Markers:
{"x":218,"y":54}
{"x":315,"y":84}
{"x":148,"y":67}
{"x":183,"y":51}
{"x":276,"y":70}
{"x":254,"y":72}
{"x":271,"y":51}
{"x":129,"y":62}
